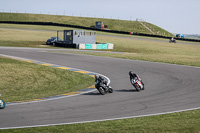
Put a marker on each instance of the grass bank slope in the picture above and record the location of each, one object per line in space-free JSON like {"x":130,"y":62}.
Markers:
{"x":113,"y":24}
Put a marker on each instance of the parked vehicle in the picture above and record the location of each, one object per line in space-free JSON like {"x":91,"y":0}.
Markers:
{"x":2,"y":104}
{"x":180,"y":35}
{"x":52,"y":40}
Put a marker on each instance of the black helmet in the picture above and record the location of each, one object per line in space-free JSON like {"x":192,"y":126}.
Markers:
{"x":131,"y":73}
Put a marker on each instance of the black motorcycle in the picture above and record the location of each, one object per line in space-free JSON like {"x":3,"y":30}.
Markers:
{"x":103,"y":88}
{"x":2,"y":104}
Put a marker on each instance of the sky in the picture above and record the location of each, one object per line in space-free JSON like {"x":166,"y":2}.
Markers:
{"x":175,"y":16}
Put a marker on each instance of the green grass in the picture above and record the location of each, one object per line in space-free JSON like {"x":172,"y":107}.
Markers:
{"x":34,"y":27}
{"x":183,"y":122}
{"x":21,"y":81}
{"x":157,"y":51}
{"x":24,"y":38}
{"x":113,"y":24}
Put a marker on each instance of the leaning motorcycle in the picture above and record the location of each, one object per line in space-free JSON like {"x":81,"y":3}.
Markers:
{"x":103,"y":88}
{"x":2,"y":104}
{"x":138,"y":84}
{"x":172,"y":41}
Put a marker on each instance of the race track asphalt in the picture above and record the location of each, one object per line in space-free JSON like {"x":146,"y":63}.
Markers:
{"x":168,"y":88}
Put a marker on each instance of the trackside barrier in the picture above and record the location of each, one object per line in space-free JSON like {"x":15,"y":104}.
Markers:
{"x":95,"y":46}
{"x":92,"y":28}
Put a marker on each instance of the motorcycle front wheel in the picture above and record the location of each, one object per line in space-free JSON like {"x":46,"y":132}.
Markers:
{"x":143,"y":86}
{"x":102,"y":91}
{"x":137,"y":88}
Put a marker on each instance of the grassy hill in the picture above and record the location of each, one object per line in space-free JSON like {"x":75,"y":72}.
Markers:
{"x":113,"y":24}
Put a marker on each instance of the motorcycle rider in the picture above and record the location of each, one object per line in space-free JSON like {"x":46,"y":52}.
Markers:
{"x":2,"y":104}
{"x":101,"y":84}
{"x":134,"y":77}
{"x":99,"y":80}
{"x":172,"y":39}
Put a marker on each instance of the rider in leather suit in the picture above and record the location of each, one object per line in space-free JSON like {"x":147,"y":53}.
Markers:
{"x":132,"y":75}
{"x":99,"y":80}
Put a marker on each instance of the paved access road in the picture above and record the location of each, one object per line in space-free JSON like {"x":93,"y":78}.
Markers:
{"x":168,"y":88}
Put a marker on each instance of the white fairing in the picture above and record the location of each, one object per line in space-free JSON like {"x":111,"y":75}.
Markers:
{"x":141,"y":85}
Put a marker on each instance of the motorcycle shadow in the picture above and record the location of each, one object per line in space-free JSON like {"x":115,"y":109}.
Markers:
{"x":92,"y":94}
{"x":126,"y":90}
{"x":95,"y":93}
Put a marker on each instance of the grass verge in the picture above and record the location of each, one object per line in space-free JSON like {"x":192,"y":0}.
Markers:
{"x":24,"y":38}
{"x":21,"y":81}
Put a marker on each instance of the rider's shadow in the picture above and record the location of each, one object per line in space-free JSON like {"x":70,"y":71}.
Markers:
{"x":126,"y":90}
{"x":122,"y":90}
{"x":92,"y":94}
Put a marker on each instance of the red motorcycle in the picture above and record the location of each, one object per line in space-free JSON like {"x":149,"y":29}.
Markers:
{"x":137,"y":83}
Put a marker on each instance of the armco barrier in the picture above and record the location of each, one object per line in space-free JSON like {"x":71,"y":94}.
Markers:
{"x":91,"y":28}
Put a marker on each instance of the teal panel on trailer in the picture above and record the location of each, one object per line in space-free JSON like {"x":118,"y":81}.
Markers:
{"x":105,"y":46}
{"x":99,"y":46}
{"x":102,"y":46}
{"x":88,"y":46}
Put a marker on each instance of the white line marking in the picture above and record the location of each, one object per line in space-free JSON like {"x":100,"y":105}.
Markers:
{"x":120,"y":118}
